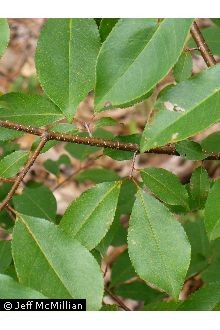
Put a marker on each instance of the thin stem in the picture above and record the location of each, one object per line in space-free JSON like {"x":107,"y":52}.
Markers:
{"x":118,"y":300}
{"x":7,"y":180}
{"x":168,"y":149}
{"x":202,"y":45}
{"x":25,"y":170}
{"x":132,"y":164}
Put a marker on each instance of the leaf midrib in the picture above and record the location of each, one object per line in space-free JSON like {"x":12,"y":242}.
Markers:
{"x":36,"y":204}
{"x":157,"y":242}
{"x":12,"y":164}
{"x":95,"y":208}
{"x":42,"y":251}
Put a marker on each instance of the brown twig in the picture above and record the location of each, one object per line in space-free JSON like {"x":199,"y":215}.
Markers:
{"x":202,"y":45}
{"x":24,"y":171}
{"x":7,"y":180}
{"x":133,"y":147}
{"x":118,"y":300}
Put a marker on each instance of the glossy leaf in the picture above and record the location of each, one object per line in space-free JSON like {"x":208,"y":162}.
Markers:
{"x":205,"y":299}
{"x":38,"y":202}
{"x":105,"y":27}
{"x":179,"y":107}
{"x":183,"y":68}
{"x":90,"y":216}
{"x":60,"y":266}
{"x":123,"y":76}
{"x":11,"y":164}
{"x":5,"y":255}
{"x":152,"y":244}
{"x":165,"y":185}
{"x":190,"y":150}
{"x":212,"y":212}
{"x":10,"y":289}
{"x":4,"y":35}
{"x":199,"y":187}
{"x":211,"y":143}
{"x":35,"y":110}
{"x":66,"y":66}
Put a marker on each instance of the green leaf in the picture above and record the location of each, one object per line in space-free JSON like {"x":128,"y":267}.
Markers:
{"x":138,"y":291}
{"x":10,"y":271}
{"x":126,"y":197}
{"x":105,"y":27}
{"x":199,"y":187}
{"x":152,"y":244}
{"x":5,"y":255}
{"x":10,"y":289}
{"x":4,"y":35}
{"x":211,"y":143}
{"x":97,"y":175}
{"x":205,"y":299}
{"x":122,"y":269}
{"x":7,"y":134}
{"x":165,"y":185}
{"x":179,"y":107}
{"x":190,"y":150}
{"x":212,"y":212}
{"x":8,"y":147}
{"x":28,"y":109}
{"x":183,"y":68}
{"x":37,"y":202}
{"x":60,"y":266}
{"x":106,"y":241}
{"x":200,"y":248}
{"x":123,"y":76}
{"x":90,"y":216}
{"x":11,"y":164}
{"x":117,"y":234}
{"x":66,"y":66}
